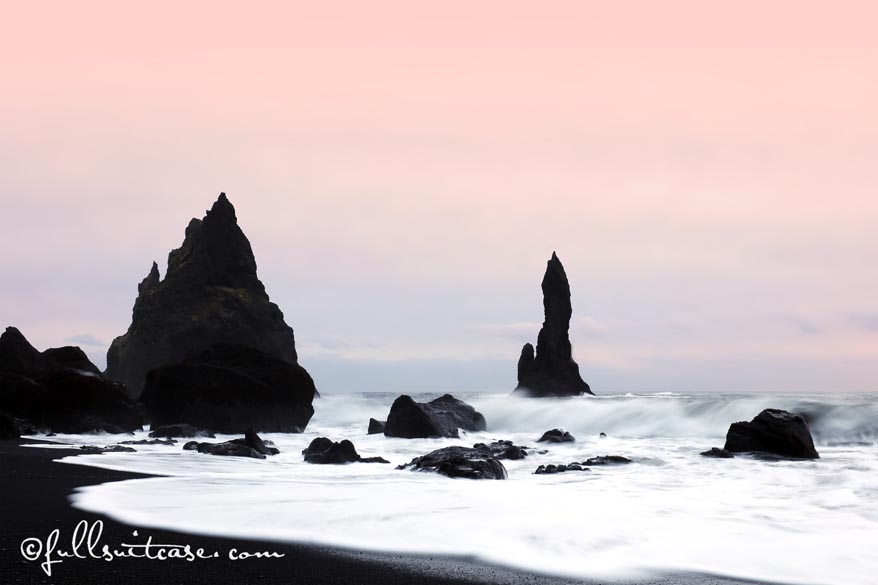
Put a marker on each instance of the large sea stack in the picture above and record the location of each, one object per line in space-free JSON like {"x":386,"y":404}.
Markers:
{"x":210,"y":295}
{"x":551,"y":371}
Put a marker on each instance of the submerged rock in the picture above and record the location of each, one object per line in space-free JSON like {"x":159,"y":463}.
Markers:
{"x":250,"y":446}
{"x":606,"y":460}
{"x":462,"y":462}
{"x":773,"y":431}
{"x":376,"y":427}
{"x":718,"y":453}
{"x":441,"y":417}
{"x":550,"y":369}
{"x":230,"y":388}
{"x":326,"y":451}
{"x":210,"y":294}
{"x":44,"y":390}
{"x":503,"y":450}
{"x":94,"y":449}
{"x":556,"y":436}
{"x":179,"y":430}
{"x":552,"y":468}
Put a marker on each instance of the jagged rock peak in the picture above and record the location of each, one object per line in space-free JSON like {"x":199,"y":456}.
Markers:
{"x":151,"y":280}
{"x":550,"y":369}
{"x":215,"y":250}
{"x":210,"y":294}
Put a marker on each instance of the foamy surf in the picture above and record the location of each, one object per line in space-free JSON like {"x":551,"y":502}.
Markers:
{"x":672,"y":511}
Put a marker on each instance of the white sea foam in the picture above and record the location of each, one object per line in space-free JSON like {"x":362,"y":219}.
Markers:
{"x":672,"y":511}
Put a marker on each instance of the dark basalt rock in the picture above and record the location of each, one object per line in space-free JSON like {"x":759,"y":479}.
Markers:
{"x":441,"y":417}
{"x":326,"y":451}
{"x":210,"y":295}
{"x":41,"y":388}
{"x":460,"y":462}
{"x":551,"y":370}
{"x":181,"y":431}
{"x":773,"y":431}
{"x":8,"y":427}
{"x":94,"y":449}
{"x":250,"y":446}
{"x":556,"y":436}
{"x":552,"y":469}
{"x":376,"y":427}
{"x":230,"y":388}
{"x":150,"y":442}
{"x":606,"y":460}
{"x":503,"y":450}
{"x":71,"y":357}
{"x":717,"y":453}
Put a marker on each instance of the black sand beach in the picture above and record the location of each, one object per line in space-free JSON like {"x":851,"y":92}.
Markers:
{"x":34,"y":492}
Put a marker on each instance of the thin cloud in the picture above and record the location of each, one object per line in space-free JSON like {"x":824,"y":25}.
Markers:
{"x":86,"y":339}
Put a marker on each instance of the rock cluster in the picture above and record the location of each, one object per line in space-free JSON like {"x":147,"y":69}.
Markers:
{"x":459,"y":462}
{"x":549,"y":370}
{"x":250,"y":446}
{"x":441,"y":417}
{"x":326,"y":451}
{"x":59,"y":390}
{"x":556,"y":436}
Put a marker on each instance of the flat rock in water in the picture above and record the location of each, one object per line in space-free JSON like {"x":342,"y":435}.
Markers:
{"x":503,"y":450}
{"x":606,"y":460}
{"x":441,"y":417}
{"x":717,"y":453}
{"x":462,"y":462}
{"x":90,"y":449}
{"x":326,"y":451}
{"x":150,"y":442}
{"x":773,"y":431}
{"x":552,"y":469}
{"x":556,"y":436}
{"x":250,"y":446}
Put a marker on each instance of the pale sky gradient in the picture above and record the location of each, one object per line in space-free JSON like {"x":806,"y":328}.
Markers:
{"x":708,"y":175}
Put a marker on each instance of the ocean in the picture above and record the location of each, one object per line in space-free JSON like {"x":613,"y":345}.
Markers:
{"x":669,"y":512}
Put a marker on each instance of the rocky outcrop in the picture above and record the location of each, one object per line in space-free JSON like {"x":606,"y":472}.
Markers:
{"x":229,"y":388}
{"x":60,"y":390}
{"x":582,"y":465}
{"x":326,"y":451}
{"x":149,"y":442}
{"x":210,"y":295}
{"x":376,"y":427}
{"x":605,"y":460}
{"x":550,"y":369}
{"x":773,"y":431}
{"x":441,"y":417}
{"x":250,"y":446}
{"x":96,"y":450}
{"x":460,"y":462}
{"x":556,"y":436}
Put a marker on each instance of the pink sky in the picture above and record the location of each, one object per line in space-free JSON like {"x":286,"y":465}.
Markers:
{"x":708,"y":175}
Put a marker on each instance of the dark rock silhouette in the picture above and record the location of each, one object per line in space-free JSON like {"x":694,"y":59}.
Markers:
{"x":559,"y":468}
{"x":460,"y":462}
{"x":503,"y":450}
{"x":376,"y":427}
{"x":9,"y":428}
{"x":94,"y":449}
{"x":717,"y":453}
{"x":230,"y":388}
{"x":149,"y":442}
{"x":250,"y":446}
{"x":550,"y":370}
{"x":773,"y":431}
{"x":326,"y":451}
{"x":441,"y":417}
{"x":60,"y":390}
{"x":556,"y":436}
{"x":606,"y":460}
{"x":210,"y":295}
